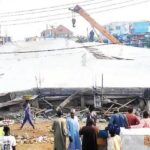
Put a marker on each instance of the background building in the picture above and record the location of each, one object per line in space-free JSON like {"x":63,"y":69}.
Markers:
{"x":60,"y":31}
{"x":131,"y":33}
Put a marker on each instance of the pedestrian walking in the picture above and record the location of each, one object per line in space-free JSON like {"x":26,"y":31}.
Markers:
{"x":27,"y":112}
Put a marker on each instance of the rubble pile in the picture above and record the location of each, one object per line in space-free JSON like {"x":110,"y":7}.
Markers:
{"x":26,"y":139}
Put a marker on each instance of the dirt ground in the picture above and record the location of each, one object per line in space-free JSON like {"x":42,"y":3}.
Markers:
{"x":39,"y":138}
{"x":33,"y":136}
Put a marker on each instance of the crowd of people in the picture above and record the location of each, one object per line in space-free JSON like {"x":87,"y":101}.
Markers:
{"x":90,"y":137}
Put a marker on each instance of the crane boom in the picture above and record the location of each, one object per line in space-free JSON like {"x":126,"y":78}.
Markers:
{"x":93,"y":23}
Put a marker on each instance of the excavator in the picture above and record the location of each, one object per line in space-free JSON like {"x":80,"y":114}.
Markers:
{"x":93,"y":23}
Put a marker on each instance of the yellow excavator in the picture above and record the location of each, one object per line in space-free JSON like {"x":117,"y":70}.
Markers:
{"x":93,"y":23}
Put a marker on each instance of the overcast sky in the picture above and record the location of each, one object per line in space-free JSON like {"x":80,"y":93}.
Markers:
{"x":96,"y":8}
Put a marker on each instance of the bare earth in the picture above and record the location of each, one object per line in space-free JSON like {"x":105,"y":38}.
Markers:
{"x":29,"y":139}
{"x":39,"y":138}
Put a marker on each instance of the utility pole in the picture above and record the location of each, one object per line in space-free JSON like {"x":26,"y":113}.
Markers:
{"x":0,"y":30}
{"x":87,"y":34}
{"x":102,"y":86}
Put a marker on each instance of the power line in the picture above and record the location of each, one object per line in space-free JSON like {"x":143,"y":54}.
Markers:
{"x":89,"y":4}
{"x":59,"y":14}
{"x":50,"y":50}
{"x":52,"y":8}
{"x":58,"y":9}
{"x":124,"y":6}
{"x":94,"y":12}
{"x":47,"y":16}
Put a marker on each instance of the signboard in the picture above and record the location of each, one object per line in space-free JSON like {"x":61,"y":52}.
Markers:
{"x":138,"y":139}
{"x":147,"y":140}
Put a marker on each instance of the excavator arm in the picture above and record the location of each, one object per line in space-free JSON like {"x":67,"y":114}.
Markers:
{"x":94,"y":24}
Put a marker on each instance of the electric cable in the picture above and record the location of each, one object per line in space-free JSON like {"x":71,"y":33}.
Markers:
{"x":66,"y":17}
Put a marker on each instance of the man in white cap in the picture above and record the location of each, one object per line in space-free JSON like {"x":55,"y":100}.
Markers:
{"x":73,"y":131}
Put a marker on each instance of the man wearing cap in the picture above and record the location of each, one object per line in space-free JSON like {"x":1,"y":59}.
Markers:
{"x":27,"y":112}
{"x":73,"y":131}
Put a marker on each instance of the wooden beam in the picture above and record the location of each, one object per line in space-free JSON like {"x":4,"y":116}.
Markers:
{"x":67,"y":100}
{"x":118,"y":104}
{"x":47,"y":102}
{"x":127,"y":103}
{"x":109,"y":109}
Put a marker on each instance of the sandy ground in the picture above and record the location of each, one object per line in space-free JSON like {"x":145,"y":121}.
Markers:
{"x":42,"y":129}
{"x":28,"y":138}
{"x":42,"y":146}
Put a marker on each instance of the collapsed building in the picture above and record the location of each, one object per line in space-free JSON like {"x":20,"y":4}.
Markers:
{"x":70,"y":74}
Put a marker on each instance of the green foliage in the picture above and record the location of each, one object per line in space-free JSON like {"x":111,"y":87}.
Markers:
{"x":81,"y":39}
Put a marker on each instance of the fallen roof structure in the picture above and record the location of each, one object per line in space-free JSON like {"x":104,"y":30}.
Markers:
{"x":63,"y":63}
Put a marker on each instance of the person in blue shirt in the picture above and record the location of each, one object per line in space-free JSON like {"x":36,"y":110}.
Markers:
{"x":73,"y":131}
{"x":118,"y":119}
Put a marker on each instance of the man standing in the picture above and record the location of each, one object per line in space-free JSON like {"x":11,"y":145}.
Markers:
{"x":89,"y":133}
{"x":118,"y":119}
{"x":27,"y":112}
{"x":59,"y":127}
{"x":7,"y":142}
{"x":91,"y":115}
{"x":73,"y":131}
{"x":132,"y":118}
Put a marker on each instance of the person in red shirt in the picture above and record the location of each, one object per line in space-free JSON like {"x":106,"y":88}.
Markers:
{"x":132,"y":118}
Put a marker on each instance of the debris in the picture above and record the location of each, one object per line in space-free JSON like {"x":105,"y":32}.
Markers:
{"x":67,"y":100}
{"x":7,"y":122}
{"x":15,"y":101}
{"x":47,"y":102}
{"x":127,"y":103}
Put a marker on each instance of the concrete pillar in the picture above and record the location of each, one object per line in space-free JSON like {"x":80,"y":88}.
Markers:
{"x":82,"y":102}
{"x":148,"y":105}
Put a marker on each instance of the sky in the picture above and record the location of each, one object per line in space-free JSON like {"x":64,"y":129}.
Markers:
{"x":102,"y":11}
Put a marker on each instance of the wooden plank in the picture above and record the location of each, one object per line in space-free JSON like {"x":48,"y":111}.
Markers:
{"x":71,"y":97}
{"x":127,"y":103}
{"x":109,"y":109}
{"x":40,"y":111}
{"x":47,"y":102}
{"x":117,"y":104}
{"x":67,"y":100}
